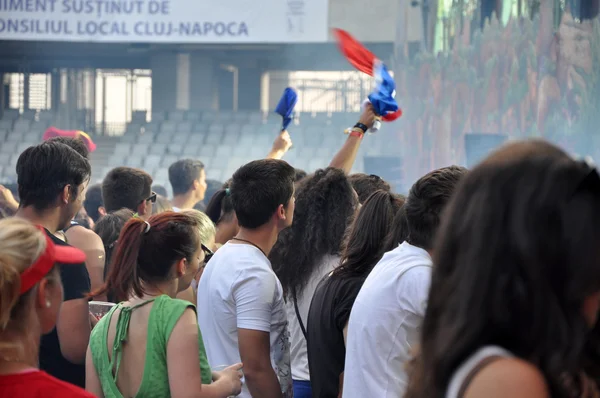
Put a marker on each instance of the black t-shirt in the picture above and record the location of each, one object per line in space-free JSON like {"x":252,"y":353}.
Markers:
{"x":329,"y":312}
{"x":76,"y":284}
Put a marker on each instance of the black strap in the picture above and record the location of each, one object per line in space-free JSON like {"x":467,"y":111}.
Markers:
{"x":298,"y":315}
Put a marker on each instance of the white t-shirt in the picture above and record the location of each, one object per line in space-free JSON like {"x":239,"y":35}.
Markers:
{"x":176,"y":209}
{"x":384,"y":324}
{"x":298,"y":341}
{"x":239,"y":289}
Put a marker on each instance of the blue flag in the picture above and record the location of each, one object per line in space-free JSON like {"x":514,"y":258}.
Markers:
{"x":286,"y":105}
{"x":383,"y":97}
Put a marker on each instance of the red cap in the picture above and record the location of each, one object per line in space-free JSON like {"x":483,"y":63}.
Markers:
{"x":51,"y":255}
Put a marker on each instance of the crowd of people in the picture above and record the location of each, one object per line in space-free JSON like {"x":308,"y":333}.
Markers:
{"x":278,"y":283}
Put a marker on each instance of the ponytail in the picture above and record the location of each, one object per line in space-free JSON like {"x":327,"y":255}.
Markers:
{"x":146,"y":252}
{"x":213,"y":209}
{"x":122,"y":278}
{"x":399,"y":231}
{"x":220,"y":206}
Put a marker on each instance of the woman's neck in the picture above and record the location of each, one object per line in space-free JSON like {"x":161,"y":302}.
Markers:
{"x":167,"y":288}
{"x":21,"y":352}
{"x":225,"y":231}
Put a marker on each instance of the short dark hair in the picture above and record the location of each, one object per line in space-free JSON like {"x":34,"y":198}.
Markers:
{"x":183,"y":173}
{"x":426,"y":202}
{"x":93,"y":200}
{"x":44,"y":170}
{"x":300,"y":174}
{"x":258,"y":188}
{"x":160,"y":190}
{"x":367,"y":184}
{"x":74,"y":143}
{"x":125,"y":188}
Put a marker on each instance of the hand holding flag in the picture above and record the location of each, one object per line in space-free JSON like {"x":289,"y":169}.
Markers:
{"x":383,"y":97}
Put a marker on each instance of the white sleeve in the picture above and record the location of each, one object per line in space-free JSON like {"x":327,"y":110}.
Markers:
{"x":413,"y":289}
{"x":254,"y":293}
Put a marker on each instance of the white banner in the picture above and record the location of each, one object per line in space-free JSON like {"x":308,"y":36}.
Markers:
{"x":165,"y":21}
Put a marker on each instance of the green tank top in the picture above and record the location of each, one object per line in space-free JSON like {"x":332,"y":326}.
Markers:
{"x":164,"y":315}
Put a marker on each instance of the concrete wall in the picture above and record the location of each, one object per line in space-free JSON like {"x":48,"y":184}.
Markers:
{"x":375,"y":20}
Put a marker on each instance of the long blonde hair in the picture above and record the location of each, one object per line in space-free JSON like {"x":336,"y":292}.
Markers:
{"x":21,"y":244}
{"x":205,"y":225}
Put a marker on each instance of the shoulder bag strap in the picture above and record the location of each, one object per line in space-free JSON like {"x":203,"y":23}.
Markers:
{"x":298,"y":313}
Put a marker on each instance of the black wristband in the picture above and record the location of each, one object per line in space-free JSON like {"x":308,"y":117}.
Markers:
{"x":361,"y":126}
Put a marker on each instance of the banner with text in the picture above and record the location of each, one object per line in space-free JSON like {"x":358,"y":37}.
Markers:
{"x":165,"y":21}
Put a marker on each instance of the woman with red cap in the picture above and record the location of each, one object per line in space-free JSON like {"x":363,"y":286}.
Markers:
{"x":30,"y":298}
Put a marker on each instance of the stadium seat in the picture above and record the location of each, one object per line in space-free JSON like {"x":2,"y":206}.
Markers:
{"x":175,"y":149}
{"x":146,"y":138}
{"x":175,"y":116}
{"x":181,"y":139}
{"x":168,"y":160}
{"x":190,"y":151}
{"x":184,"y":127}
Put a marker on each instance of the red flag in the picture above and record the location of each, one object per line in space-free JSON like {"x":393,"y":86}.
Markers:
{"x":54,"y":132}
{"x":390,"y":117}
{"x":357,"y":54}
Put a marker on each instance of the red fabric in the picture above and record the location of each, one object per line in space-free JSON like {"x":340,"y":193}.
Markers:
{"x":38,"y":385}
{"x":52,"y":132}
{"x":390,"y":117}
{"x":357,"y":54}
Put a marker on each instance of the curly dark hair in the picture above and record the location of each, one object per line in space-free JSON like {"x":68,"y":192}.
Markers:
{"x":325,"y":204}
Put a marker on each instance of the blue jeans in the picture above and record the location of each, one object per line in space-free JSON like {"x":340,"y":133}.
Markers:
{"x":302,"y":389}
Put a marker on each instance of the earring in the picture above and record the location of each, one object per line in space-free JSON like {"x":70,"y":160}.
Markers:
{"x":48,"y":304}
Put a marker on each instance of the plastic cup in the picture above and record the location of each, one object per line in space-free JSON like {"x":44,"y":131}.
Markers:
{"x":100,"y":308}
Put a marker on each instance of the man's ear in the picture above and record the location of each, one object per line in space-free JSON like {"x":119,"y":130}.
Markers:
{"x":101,"y":211}
{"x":281,"y":212}
{"x":181,"y":267}
{"x":65,"y":196}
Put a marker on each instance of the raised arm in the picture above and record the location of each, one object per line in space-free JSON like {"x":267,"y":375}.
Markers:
{"x":282,"y":144}
{"x":346,"y":156}
{"x":8,"y":201}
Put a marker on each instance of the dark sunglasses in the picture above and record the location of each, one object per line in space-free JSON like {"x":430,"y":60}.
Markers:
{"x":207,"y":253}
{"x":151,"y":198}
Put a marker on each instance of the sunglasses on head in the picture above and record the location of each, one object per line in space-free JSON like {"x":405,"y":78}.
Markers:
{"x":207,"y":254}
